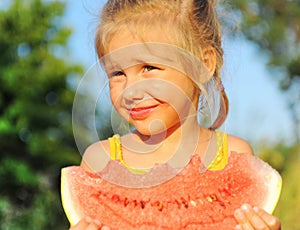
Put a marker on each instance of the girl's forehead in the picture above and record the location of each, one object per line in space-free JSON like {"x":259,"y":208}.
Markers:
{"x":141,"y":53}
{"x":125,"y":37}
{"x":113,"y":35}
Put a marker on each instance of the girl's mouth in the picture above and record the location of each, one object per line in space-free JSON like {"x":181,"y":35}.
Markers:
{"x":142,"y":112}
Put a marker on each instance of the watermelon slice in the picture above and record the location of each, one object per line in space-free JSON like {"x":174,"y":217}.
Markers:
{"x":193,"y":199}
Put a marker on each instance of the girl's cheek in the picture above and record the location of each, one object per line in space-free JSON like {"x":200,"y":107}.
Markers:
{"x":115,"y":93}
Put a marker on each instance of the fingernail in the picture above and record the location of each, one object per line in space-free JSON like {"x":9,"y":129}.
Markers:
{"x":256,"y":209}
{"x":88,"y":219}
{"x":238,"y":227}
{"x":246,"y":207}
{"x":239,"y":214}
{"x":105,"y":228}
{"x":97,"y":222}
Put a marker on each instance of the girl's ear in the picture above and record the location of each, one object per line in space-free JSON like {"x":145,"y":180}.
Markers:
{"x":210,"y":59}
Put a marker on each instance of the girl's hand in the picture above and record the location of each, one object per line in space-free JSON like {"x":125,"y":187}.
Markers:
{"x":255,"y":219}
{"x":88,"y":223}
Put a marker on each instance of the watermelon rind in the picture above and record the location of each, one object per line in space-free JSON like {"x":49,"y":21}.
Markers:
{"x":274,"y":182}
{"x":73,"y":212}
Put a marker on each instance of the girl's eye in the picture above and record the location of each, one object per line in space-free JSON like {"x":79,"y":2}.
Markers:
{"x":117,"y":74}
{"x":148,"y":68}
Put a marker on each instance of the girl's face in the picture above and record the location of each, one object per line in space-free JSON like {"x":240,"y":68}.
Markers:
{"x":145,"y":89}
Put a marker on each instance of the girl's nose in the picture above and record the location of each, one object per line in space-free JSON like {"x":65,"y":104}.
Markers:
{"x":133,"y":92}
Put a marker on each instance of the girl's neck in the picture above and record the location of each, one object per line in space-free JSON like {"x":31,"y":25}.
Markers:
{"x":178,"y":132}
{"x":175,"y":146}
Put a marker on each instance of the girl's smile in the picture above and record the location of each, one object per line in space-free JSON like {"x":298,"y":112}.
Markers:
{"x":141,"y":113}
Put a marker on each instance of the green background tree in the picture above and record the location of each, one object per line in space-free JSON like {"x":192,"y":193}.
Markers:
{"x":273,"y":25}
{"x":35,"y":114}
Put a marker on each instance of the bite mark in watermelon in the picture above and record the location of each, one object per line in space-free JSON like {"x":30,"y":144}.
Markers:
{"x":190,"y":200}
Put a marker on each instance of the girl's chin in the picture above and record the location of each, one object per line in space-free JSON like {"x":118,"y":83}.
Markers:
{"x":155,"y":127}
{"x":150,"y":133}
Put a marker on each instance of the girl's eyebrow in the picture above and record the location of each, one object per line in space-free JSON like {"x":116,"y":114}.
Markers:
{"x":111,"y":67}
{"x":161,"y":54}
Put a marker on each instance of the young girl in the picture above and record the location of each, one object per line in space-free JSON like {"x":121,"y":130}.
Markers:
{"x":163,"y":61}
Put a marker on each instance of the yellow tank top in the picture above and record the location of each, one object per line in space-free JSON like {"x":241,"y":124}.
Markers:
{"x":218,"y":163}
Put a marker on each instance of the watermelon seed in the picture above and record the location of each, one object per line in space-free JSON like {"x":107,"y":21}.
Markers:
{"x":135,"y":203}
{"x":126,"y":201}
{"x":200,"y":201}
{"x":222,"y":203}
{"x":115,"y":198}
{"x":212,"y":198}
{"x":143,"y":204}
{"x":159,"y":206}
{"x":193,"y":203}
{"x":178,"y":204}
{"x":184,"y":202}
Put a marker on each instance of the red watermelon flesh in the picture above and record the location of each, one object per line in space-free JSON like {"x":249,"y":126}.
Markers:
{"x":190,"y":200}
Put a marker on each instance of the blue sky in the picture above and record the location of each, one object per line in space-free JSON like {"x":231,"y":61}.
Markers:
{"x":258,"y":111}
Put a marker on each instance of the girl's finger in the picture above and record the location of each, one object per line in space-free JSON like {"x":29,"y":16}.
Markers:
{"x":256,"y":221}
{"x":243,"y":221}
{"x":82,"y":224}
{"x":272,"y":221}
{"x":92,"y":226}
{"x":86,"y":224}
{"x":105,"y":228}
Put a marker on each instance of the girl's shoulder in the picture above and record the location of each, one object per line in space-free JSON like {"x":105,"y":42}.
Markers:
{"x":238,"y":145}
{"x":233,"y":143}
{"x":102,"y":146}
{"x":96,"y":152}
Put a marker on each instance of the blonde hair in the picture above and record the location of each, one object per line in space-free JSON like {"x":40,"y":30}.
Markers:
{"x":190,"y":24}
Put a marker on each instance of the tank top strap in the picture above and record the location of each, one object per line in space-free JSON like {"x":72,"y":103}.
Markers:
{"x":115,"y":147}
{"x":221,"y":159}
{"x":116,"y":154}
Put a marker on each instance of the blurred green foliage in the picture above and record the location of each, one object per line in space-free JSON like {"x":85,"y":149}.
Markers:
{"x":35,"y":114}
{"x":273,"y":25}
